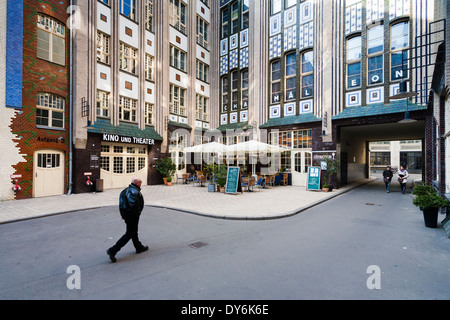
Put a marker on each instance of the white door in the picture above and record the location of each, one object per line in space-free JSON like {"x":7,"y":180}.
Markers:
{"x":119,"y":163}
{"x":300,"y":161}
{"x":48,"y":173}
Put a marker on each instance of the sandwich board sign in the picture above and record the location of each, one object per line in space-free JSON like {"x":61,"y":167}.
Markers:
{"x":233,"y":185}
{"x":314,"y":178}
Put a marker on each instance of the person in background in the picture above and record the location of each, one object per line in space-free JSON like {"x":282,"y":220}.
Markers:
{"x":403,"y":178}
{"x":387,"y":178}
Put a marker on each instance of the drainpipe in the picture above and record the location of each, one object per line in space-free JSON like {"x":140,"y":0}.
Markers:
{"x":69,"y":192}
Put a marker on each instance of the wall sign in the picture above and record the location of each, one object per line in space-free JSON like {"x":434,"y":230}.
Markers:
{"x":130,"y":140}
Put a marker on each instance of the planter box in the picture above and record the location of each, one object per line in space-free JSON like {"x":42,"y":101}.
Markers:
{"x":430,"y":216}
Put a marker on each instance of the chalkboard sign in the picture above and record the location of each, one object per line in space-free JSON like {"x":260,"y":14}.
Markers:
{"x":314,"y":178}
{"x":233,"y":181}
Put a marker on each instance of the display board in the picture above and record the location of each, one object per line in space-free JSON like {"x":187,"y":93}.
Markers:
{"x":233,"y":185}
{"x":314,"y":178}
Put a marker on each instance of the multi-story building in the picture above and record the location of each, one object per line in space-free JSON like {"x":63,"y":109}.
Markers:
{"x":141,"y":68}
{"x":321,"y":76}
{"x":132,"y":81}
{"x":35,"y":110}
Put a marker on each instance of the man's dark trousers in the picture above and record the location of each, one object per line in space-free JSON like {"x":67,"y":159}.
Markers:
{"x":131,"y":234}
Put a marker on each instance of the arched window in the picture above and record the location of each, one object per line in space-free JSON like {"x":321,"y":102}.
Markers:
{"x":375,"y":60}
{"x":51,"y":40}
{"x":307,"y":76}
{"x":276,"y":81}
{"x":354,"y":63}
{"x":399,"y":50}
{"x":291,"y":77}
{"x":50,"y":110}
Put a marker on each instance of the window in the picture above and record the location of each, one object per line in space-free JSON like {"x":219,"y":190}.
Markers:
{"x":202,"y":108}
{"x":127,"y":109}
{"x":176,"y":100}
{"x":276,"y":81}
{"x":244,"y":89}
{"x":148,"y":15}
{"x":105,"y":2}
{"x":51,"y":40}
{"x":307,"y":74}
{"x":202,"y":32}
{"x":290,"y":77}
{"x":375,"y":60}
{"x":128,"y":58}
{"x":245,"y":13}
{"x":177,"y":58}
{"x":102,"y":104}
{"x":50,"y":110}
{"x":202,"y":71}
{"x":276,"y":6}
{"x":399,"y":51}
{"x":234,"y":90}
{"x":225,"y":98}
{"x":46,"y":160}
{"x":178,"y":15}
{"x":128,"y":8}
{"x":234,"y":17}
{"x":225,"y":18}
{"x":103,"y":47}
{"x":148,"y":113}
{"x":289,"y":3}
{"x":354,"y":63}
{"x":149,"y":67}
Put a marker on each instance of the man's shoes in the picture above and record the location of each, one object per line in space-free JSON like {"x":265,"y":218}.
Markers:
{"x":111,"y":255}
{"x":142,"y":249}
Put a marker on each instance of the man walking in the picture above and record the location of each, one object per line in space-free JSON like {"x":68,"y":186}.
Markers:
{"x":131,"y":203}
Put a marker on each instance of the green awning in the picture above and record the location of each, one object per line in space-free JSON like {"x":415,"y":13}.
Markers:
{"x":104,"y":126}
{"x":303,"y":118}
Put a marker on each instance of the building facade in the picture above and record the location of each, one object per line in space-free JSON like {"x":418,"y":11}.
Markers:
{"x":120,"y":84}
{"x":36,"y":147}
{"x":141,"y":68}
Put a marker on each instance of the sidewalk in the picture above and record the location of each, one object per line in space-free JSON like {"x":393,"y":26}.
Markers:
{"x":276,"y":202}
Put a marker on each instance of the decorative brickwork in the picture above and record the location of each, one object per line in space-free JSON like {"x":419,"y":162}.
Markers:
{"x":40,"y":76}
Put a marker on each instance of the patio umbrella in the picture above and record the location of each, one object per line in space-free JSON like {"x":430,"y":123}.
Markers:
{"x":254,"y":147}
{"x":211,"y":147}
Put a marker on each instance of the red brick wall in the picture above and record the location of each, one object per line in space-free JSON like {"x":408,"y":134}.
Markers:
{"x":40,"y":76}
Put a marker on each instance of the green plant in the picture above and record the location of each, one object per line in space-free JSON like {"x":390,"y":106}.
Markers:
{"x":332,"y":168}
{"x":430,"y":200}
{"x":169,"y":179}
{"x":221,"y":181}
{"x":166,"y":167}
{"x":422,"y":189}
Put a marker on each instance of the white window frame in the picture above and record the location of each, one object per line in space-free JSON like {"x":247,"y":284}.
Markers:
{"x":177,"y":98}
{"x":103,"y":47}
{"x":149,"y":67}
{"x":127,"y":109}
{"x":149,"y":107}
{"x":102,"y":100}
{"x":52,"y":104}
{"x":148,"y":15}
{"x":177,"y":58}
{"x":128,"y":58}
{"x":51,"y":40}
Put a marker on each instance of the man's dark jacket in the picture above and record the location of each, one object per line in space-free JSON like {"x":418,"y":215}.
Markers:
{"x":131,"y":202}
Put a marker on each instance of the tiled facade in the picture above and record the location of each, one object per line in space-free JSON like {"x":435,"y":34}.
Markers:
{"x":156,"y":75}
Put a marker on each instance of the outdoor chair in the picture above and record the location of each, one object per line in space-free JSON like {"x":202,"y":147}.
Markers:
{"x":284,"y":181}
{"x":260,"y":183}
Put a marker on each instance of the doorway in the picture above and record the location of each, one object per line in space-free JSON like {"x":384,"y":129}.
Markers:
{"x":48,"y":179}
{"x":301,"y":161}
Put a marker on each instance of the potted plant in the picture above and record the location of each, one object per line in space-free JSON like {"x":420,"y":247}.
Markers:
{"x":169,"y":181}
{"x":430,"y":202}
{"x":166,"y":168}
{"x":332,"y":168}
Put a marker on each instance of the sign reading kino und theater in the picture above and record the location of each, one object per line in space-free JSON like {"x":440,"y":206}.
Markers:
{"x":131,"y":140}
